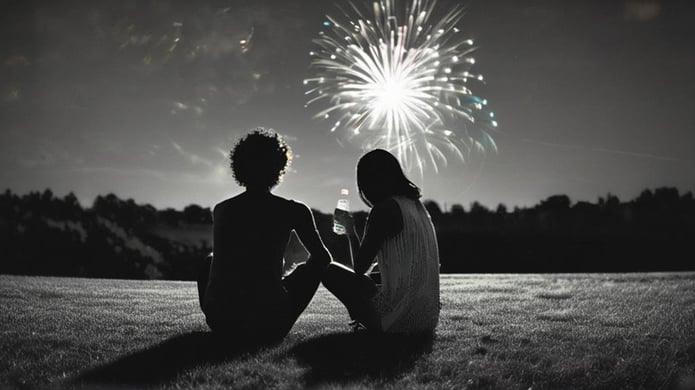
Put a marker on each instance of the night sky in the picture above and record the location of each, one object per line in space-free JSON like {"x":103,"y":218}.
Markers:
{"x":145,"y":98}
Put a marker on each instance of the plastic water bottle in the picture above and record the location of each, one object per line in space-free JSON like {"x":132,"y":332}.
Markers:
{"x":343,"y":205}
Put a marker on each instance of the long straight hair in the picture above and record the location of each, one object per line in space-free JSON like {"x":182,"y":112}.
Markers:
{"x":380,"y":176}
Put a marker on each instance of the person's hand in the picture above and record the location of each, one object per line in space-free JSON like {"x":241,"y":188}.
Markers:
{"x":344,"y":218}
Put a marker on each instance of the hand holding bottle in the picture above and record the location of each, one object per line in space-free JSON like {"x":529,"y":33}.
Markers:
{"x":342,"y":220}
{"x":343,"y":223}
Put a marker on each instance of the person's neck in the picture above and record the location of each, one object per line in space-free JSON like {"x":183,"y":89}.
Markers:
{"x":258,"y":191}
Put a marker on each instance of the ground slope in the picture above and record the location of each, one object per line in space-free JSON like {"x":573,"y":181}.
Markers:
{"x":496,"y":331}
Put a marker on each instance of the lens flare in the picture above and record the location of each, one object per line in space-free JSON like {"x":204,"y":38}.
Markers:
{"x":398,"y":79}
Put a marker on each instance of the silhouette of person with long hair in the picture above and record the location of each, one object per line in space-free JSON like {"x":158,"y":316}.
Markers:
{"x":241,"y":285}
{"x":400,"y":235}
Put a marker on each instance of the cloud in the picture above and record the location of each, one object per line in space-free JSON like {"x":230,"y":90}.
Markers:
{"x":151,"y":173}
{"x":642,"y":10}
{"x":215,"y":171}
{"x":192,"y":157}
{"x":626,"y":153}
{"x":214,"y":176}
{"x":47,"y":154}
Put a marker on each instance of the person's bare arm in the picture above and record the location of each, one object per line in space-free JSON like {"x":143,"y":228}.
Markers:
{"x":385,"y":220}
{"x":354,"y":240}
{"x":309,"y":236}
{"x":217,"y":233}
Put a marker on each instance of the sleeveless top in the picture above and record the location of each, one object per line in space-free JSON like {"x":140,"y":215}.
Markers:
{"x":408,"y":299}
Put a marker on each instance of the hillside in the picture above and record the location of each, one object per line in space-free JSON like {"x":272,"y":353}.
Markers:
{"x":496,"y":331}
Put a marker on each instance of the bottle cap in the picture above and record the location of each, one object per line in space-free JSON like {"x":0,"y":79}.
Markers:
{"x":344,"y":191}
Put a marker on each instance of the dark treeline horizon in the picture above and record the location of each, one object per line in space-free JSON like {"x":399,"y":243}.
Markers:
{"x":43,"y":234}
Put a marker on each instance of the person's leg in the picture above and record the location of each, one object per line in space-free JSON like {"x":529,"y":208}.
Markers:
{"x":203,"y":270}
{"x":301,"y":285}
{"x":354,"y":291}
{"x":273,"y":324}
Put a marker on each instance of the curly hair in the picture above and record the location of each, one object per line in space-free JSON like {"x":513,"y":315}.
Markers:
{"x":260,"y":158}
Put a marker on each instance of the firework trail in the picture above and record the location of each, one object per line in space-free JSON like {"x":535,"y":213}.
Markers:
{"x":398,"y":79}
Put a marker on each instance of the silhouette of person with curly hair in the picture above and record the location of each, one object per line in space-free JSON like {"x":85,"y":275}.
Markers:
{"x":241,"y":287}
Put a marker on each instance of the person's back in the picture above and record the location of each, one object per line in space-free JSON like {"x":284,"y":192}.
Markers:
{"x":251,"y":232}
{"x":408,"y":298}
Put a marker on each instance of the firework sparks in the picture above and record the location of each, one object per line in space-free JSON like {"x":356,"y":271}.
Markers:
{"x":399,"y":80}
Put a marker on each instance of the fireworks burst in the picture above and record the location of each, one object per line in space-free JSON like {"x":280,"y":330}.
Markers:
{"x":398,"y":80}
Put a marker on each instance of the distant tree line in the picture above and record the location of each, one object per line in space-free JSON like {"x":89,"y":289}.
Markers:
{"x":42,"y":234}
{"x":653,"y":232}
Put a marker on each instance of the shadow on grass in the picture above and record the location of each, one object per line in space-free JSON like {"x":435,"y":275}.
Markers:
{"x":162,"y":362}
{"x":349,"y":357}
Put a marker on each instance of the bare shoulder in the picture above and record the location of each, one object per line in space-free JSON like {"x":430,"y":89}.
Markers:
{"x":297,"y":205}
{"x":299,"y":209}
{"x":224,"y":206}
{"x":290,"y":207}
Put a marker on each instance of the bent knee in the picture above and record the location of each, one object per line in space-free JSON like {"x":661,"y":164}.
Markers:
{"x":334,"y":271}
{"x":338,"y":268}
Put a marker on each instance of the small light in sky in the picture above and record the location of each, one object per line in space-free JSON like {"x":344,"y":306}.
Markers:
{"x":17,"y":60}
{"x":327,"y":23}
{"x":642,"y":11}
{"x":13,"y":95}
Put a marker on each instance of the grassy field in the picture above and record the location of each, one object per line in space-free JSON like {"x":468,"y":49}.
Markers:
{"x":496,"y":331}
